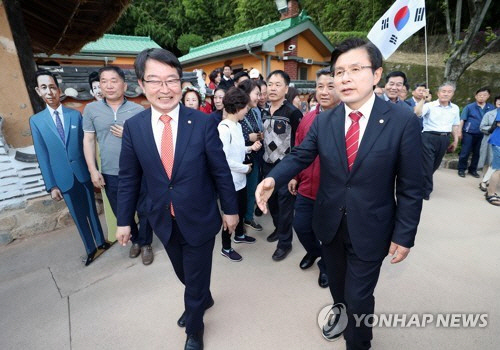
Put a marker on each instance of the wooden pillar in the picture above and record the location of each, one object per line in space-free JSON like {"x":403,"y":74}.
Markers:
{"x":16,"y":59}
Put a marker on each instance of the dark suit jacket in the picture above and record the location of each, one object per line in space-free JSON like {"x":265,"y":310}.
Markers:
{"x":200,"y":171}
{"x":59,"y":163}
{"x":381,"y":195}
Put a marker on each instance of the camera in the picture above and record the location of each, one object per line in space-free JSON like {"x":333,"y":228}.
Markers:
{"x":291,"y":47}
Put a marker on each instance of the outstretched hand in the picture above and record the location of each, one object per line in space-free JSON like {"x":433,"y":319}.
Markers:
{"x":263,"y":192}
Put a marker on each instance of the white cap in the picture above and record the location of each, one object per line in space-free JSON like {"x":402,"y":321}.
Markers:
{"x":254,"y":74}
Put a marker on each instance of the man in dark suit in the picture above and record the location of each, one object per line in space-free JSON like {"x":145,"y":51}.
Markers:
{"x":178,"y":152}
{"x":370,"y":194}
{"x":58,"y":139}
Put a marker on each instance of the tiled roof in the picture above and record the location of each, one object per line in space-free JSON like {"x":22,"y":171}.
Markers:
{"x":119,"y":44}
{"x":19,"y":180}
{"x":73,"y":81}
{"x":253,"y":37}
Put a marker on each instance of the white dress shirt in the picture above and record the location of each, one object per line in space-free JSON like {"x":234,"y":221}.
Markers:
{"x":61,"y":115}
{"x":158,"y":126}
{"x":233,"y":144}
{"x":366,"y":110}
{"x":440,"y":118}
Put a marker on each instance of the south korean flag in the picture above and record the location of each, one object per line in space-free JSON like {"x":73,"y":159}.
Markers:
{"x":402,"y":20}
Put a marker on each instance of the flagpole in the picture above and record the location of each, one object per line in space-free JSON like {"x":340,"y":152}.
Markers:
{"x":426,"y":62}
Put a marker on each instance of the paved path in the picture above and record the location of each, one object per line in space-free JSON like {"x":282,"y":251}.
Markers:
{"x":48,"y":300}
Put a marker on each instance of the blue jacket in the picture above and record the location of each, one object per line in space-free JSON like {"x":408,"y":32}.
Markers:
{"x":59,"y":164}
{"x":472,"y":115}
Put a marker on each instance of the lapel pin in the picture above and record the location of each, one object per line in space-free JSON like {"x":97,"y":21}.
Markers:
{"x":189,"y":121}
{"x":381,"y":121}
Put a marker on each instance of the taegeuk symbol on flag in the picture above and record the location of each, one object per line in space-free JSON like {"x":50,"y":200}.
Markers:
{"x":402,"y":20}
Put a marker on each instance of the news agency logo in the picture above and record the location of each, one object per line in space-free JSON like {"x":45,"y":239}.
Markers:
{"x":332,"y":320}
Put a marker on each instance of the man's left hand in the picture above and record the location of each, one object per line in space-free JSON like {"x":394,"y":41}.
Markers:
{"x":398,"y":252}
{"x":230,"y":222}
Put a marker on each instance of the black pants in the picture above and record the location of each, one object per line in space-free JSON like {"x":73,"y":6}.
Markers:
{"x":433,"y":150}
{"x":242,"y":208}
{"x":471,"y":143}
{"x":143,"y":235}
{"x":281,"y":205}
{"x":193,"y":267}
{"x":352,"y":282}
{"x":302,"y":223}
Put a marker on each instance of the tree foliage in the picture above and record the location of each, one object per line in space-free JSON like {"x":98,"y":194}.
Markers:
{"x":165,"y":21}
{"x":462,"y":53}
{"x":187,"y":41}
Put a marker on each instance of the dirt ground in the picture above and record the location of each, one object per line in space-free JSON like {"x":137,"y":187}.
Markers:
{"x":488,"y":63}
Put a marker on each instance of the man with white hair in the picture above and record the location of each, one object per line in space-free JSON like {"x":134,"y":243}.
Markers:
{"x":440,"y":118}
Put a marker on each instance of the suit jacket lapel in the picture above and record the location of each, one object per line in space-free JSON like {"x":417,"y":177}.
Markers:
{"x":149,"y":141}
{"x":376,"y":123}
{"x":184,"y":130}
{"x":67,"y":114}
{"x":338,"y":124}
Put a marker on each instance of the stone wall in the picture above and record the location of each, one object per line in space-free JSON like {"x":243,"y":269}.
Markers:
{"x":35,"y":216}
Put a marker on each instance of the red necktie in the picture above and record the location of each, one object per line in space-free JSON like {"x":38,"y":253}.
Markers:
{"x":167,"y":149}
{"x":352,"y":138}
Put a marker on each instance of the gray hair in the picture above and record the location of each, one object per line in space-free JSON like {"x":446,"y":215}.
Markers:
{"x":447,"y":83}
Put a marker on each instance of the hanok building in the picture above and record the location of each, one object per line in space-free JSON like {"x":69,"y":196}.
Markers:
{"x":293,"y":44}
{"x":29,"y":27}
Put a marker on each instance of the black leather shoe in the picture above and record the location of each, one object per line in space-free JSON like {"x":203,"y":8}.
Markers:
{"x":307,"y":261}
{"x":461,"y":173}
{"x":474,"y":174}
{"x":280,"y":253}
{"x":104,"y":246}
{"x":273,"y":237}
{"x":323,"y":280}
{"x":90,"y":258}
{"x":194,"y":342}
{"x":181,"y":322}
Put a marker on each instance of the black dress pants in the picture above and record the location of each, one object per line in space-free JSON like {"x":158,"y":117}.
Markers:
{"x":281,"y":206}
{"x":193,"y":267}
{"x":352,"y":282}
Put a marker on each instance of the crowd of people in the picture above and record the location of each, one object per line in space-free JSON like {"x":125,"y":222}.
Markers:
{"x":359,"y":149}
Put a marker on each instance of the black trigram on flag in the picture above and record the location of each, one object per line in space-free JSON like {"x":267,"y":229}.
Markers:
{"x":385,"y":23}
{"x":419,"y":14}
{"x":393,"y":39}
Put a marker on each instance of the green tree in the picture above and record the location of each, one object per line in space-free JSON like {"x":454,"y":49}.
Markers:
{"x":254,"y":13}
{"x":187,"y":41}
{"x":462,"y":54}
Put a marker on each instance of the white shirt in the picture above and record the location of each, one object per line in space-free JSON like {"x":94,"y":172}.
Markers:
{"x":366,"y":110}
{"x":233,"y":144}
{"x":440,"y":118}
{"x":158,"y":126}
{"x":52,"y":114}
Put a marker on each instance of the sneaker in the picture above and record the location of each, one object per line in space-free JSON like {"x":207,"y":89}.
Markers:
{"x":244,"y":239}
{"x":253,"y":224}
{"x":231,"y":255}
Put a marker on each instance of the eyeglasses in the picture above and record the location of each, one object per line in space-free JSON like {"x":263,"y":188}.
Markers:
{"x":158,"y":83}
{"x":354,"y":70}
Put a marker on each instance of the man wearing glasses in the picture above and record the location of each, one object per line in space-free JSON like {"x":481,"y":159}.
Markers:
{"x":178,"y":152}
{"x":370,"y":194}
